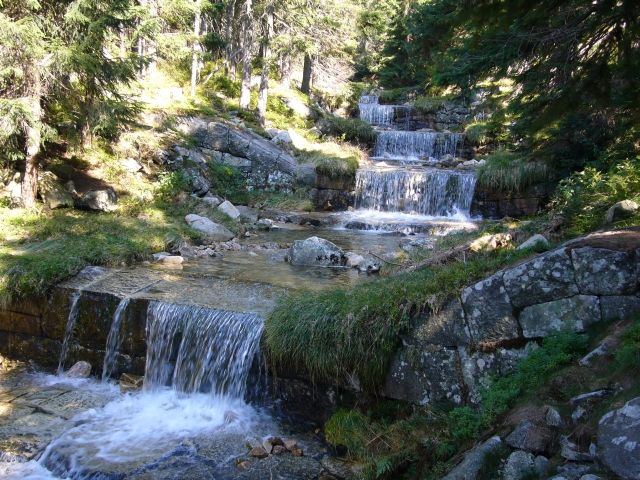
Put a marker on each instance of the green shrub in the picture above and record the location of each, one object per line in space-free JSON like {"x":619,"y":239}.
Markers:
{"x":352,"y":129}
{"x":584,"y":197}
{"x":506,"y":172}
{"x":397,"y":95}
{"x":227,"y":181}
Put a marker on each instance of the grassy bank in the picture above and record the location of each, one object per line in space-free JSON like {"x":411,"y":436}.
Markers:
{"x":341,"y":332}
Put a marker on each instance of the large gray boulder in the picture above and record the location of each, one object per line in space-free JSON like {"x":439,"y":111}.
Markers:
{"x":489,"y":311}
{"x":577,"y":312}
{"x":621,"y":210}
{"x":315,"y":251}
{"x":104,"y":200}
{"x":544,"y":278}
{"x":210,"y":229}
{"x":53,"y":193}
{"x":473,"y":460}
{"x":619,"y":440}
{"x":600,"y":271}
{"x":246,"y":144}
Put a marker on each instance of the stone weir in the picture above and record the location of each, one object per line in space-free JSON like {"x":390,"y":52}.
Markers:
{"x":101,"y":316}
{"x":493,"y":323}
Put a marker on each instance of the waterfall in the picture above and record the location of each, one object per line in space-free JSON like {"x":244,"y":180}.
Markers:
{"x":68,"y":330}
{"x":196,"y":349}
{"x":430,"y":192}
{"x":417,"y":145}
{"x":113,"y":340}
{"x":372,"y":112}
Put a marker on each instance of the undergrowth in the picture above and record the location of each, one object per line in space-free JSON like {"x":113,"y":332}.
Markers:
{"x":584,"y":197}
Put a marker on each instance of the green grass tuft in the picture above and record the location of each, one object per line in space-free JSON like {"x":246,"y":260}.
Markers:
{"x":506,"y":172}
{"x":352,"y":129}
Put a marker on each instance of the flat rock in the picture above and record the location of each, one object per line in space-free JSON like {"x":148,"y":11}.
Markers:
{"x":619,"y":440}
{"x":489,"y":311}
{"x":209,"y":228}
{"x":603,"y":272}
{"x":545,"y":278}
{"x":577,"y":312}
{"x":473,"y":460}
{"x":478,"y":367}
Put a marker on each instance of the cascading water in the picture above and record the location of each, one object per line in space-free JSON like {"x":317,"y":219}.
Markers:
{"x":372,"y":112}
{"x":410,"y":188}
{"x":113,"y":340}
{"x":68,"y":330}
{"x":197,"y":370}
{"x":431,"y":192}
{"x":411,"y":146}
{"x":215,"y":349}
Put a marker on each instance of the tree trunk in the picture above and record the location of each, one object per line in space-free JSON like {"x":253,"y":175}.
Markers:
{"x":285,"y":69}
{"x":247,"y":20}
{"x":228,"y":36}
{"x":263,"y":96}
{"x":195,"y":57}
{"x":34,"y":137}
{"x":307,"y":70}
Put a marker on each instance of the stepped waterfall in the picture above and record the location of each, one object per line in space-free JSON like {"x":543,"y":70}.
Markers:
{"x":412,"y":183}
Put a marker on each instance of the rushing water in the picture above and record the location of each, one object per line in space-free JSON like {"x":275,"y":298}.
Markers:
{"x":372,"y":112}
{"x":113,"y":340}
{"x":68,"y":330}
{"x":433,"y":192}
{"x":198,"y":366}
{"x":411,"y":146}
{"x":196,"y":349}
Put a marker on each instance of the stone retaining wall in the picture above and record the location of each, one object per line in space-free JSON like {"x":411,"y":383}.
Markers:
{"x":496,"y":321}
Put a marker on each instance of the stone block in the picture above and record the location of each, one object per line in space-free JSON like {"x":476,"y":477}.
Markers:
{"x":542,"y":279}
{"x":600,"y":271}
{"x":577,"y":313}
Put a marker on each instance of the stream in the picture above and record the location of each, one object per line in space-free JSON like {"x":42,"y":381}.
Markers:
{"x":204,"y":402}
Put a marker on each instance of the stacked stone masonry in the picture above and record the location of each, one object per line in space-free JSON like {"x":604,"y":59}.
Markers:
{"x":449,"y":355}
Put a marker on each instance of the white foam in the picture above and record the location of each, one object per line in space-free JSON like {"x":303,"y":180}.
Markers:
{"x":149,"y":424}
